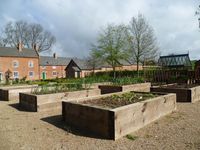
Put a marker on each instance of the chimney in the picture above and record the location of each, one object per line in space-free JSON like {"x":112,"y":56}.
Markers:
{"x":20,"y":46}
{"x":54,"y":55}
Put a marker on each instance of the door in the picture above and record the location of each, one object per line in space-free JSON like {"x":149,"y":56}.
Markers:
{"x":1,"y":77}
{"x":77,"y":74}
{"x":43,"y":75}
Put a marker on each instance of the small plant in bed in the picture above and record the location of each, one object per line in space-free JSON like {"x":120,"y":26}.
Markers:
{"x":56,"y":88}
{"x":115,"y":101}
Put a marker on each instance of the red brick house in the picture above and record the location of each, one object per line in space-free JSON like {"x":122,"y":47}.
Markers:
{"x":26,"y":63}
{"x":53,"y":67}
{"x":58,"y":67}
{"x":20,"y":62}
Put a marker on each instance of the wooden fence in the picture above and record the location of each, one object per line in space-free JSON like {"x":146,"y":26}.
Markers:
{"x":170,"y":76}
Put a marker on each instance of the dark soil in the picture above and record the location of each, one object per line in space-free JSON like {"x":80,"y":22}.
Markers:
{"x":120,"y":100}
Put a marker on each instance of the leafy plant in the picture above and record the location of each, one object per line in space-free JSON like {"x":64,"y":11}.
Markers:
{"x":131,"y":97}
{"x":56,"y":88}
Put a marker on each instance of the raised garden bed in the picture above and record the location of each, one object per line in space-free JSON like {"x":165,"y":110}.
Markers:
{"x":12,"y":92}
{"x":184,"y":92}
{"x":141,"y":87}
{"x":46,"y":102}
{"x":104,"y":116}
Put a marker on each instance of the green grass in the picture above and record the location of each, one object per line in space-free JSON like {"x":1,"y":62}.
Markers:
{"x":131,"y":137}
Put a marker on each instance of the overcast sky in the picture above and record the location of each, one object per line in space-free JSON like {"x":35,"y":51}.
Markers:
{"x":76,"y":23}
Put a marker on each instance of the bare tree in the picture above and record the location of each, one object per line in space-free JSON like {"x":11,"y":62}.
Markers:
{"x":112,"y":45}
{"x":198,"y":13}
{"x":143,"y":45}
{"x":28,"y":34}
{"x":1,"y":40}
{"x":43,"y":39}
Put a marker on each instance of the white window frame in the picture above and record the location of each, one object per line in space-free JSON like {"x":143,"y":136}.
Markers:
{"x":15,"y":77}
{"x":15,"y":62}
{"x":30,"y":64}
{"x":55,"y":73}
{"x":53,"y":67}
{"x":43,"y":67}
{"x":31,"y":76}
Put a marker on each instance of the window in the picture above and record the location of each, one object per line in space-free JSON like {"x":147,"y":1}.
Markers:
{"x":43,"y":67}
{"x":54,"y":67}
{"x":30,"y":64}
{"x":31,"y":74}
{"x":15,"y":74}
{"x":54,"y":73}
{"x":15,"y":64}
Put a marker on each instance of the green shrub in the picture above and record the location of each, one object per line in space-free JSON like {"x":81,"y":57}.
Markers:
{"x":120,"y":73}
{"x":23,"y":80}
{"x":127,"y":80}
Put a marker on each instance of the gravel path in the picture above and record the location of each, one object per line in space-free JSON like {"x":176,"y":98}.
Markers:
{"x":27,"y":131}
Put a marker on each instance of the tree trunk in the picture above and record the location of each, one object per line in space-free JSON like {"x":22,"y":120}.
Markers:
{"x":114,"y":73}
{"x":138,"y":68}
{"x":93,"y":71}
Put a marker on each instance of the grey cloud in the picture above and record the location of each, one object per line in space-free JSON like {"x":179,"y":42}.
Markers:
{"x":77,"y":23}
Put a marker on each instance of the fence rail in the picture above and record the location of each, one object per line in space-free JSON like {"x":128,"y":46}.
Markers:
{"x":170,"y":76}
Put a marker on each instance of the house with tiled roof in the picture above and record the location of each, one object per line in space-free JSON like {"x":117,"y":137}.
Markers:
{"x":86,"y":70}
{"x":53,"y":67}
{"x":19,"y":63}
{"x":59,"y":67}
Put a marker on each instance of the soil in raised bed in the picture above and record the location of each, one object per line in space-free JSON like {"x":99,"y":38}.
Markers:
{"x":115,"y":101}
{"x":181,"y":86}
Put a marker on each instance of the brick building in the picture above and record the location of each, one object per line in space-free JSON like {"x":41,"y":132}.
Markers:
{"x":53,"y":67}
{"x":26,"y":63}
{"x":85,"y":70}
{"x":20,"y":62}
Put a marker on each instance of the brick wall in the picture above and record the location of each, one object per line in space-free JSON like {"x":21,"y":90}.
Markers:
{"x":85,"y":73}
{"x":52,"y":72}
{"x":22,"y":67}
